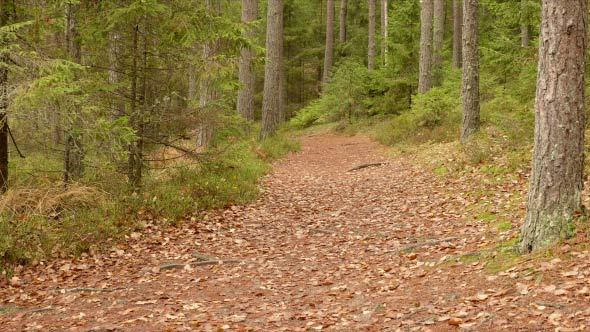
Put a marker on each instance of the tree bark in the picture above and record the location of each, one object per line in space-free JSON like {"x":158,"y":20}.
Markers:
{"x":342,"y":24}
{"x":246,"y":69}
{"x":135,"y":159}
{"x":425,"y":74}
{"x":114,"y":39}
{"x":4,"y":157}
{"x":271,"y":100}
{"x":384,"y":25}
{"x":457,"y":33}
{"x":525,"y":29}
{"x":372,"y":49}
{"x":558,"y":158}
{"x":470,"y":79}
{"x":329,"y":51}
{"x":438,"y":39}
{"x":74,"y":154}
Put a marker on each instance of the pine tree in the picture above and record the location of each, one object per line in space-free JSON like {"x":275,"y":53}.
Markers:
{"x":470,"y":79}
{"x":426,"y":35}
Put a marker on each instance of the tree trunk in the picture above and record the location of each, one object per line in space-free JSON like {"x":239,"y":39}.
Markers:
{"x":425,"y":75}
{"x":271,"y":101}
{"x":384,"y":24}
{"x":4,"y":19}
{"x":525,"y":29}
{"x":457,"y":33}
{"x":372,"y":49}
{"x":114,"y":76}
{"x":246,"y":75}
{"x":470,"y":79}
{"x":329,"y":52}
{"x":73,"y":155}
{"x":342,"y":26}
{"x":135,"y":158}
{"x":207,"y":90}
{"x":558,"y":157}
{"x":438,"y":39}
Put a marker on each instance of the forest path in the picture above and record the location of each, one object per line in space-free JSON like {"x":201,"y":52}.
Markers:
{"x":320,"y":249}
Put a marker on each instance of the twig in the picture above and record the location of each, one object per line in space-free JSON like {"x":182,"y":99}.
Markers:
{"x":172,"y":266}
{"x":356,"y":168}
{"x":85,"y":289}
{"x":421,"y":244}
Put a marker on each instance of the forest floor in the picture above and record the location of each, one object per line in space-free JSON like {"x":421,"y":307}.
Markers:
{"x":388,"y":247}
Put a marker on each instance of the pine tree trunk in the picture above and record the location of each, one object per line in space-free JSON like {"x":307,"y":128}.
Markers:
{"x":384,"y":25}
{"x":342,"y":25}
{"x":438,"y":39}
{"x":135,"y":159}
{"x":470,"y":79}
{"x":457,"y":34}
{"x":425,"y":75}
{"x":271,"y":101}
{"x":114,"y":40}
{"x":74,"y":154}
{"x":372,"y":49}
{"x":246,"y":75}
{"x":207,"y":90}
{"x":329,"y":51}
{"x":4,"y":18}
{"x":525,"y":30}
{"x":558,"y":158}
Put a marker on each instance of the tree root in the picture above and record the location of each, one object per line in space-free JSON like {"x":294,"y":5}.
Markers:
{"x":421,"y":244}
{"x":356,"y":168}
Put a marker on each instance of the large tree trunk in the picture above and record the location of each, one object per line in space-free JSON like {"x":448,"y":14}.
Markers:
{"x":457,"y":33}
{"x":525,"y":29}
{"x":372,"y":49}
{"x":74,"y":154}
{"x":558,"y":158}
{"x":342,"y":26}
{"x":438,"y":39}
{"x":246,"y":75}
{"x":329,"y":52}
{"x":470,"y":79}
{"x":271,"y":101}
{"x":384,"y":24}
{"x":425,"y":75}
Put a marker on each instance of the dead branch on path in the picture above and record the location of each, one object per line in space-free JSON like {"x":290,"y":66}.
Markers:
{"x":356,"y":168}
{"x":421,"y":244}
{"x":172,"y":266}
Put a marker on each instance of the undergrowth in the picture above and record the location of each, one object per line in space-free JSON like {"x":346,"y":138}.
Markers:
{"x":41,"y":218}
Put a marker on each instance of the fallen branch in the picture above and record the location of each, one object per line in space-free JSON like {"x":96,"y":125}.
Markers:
{"x":173,"y":266}
{"x":86,"y":289}
{"x":356,"y":168}
{"x":40,"y":310}
{"x":421,"y":244}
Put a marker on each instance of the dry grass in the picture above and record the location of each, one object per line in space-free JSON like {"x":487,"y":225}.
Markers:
{"x":49,"y":200}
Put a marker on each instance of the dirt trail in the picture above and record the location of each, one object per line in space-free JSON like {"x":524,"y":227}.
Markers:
{"x":321,"y":249}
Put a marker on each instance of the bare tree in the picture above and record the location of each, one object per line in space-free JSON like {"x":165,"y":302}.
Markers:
{"x":438,"y":39}
{"x":425,"y":74}
{"x":342,"y":25}
{"x":329,"y":51}
{"x":271,"y":100}
{"x":470,"y":79}
{"x":372,"y":44}
{"x":384,"y":24}
{"x":457,"y":33}
{"x":558,"y":158}
{"x":246,"y":75}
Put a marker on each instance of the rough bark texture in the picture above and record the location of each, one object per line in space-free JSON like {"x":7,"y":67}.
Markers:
{"x":457,"y":33}
{"x":207,"y":90}
{"x":4,"y":18}
{"x":425,"y":75}
{"x":246,"y":75}
{"x":525,"y":29}
{"x":470,"y":79}
{"x":329,"y":51}
{"x":384,"y":24}
{"x":372,"y":43}
{"x":342,"y":24}
{"x":558,"y":158}
{"x":135,"y":158}
{"x":438,"y":39}
{"x":73,"y":155}
{"x":271,"y":101}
